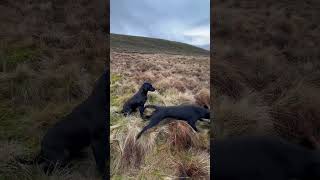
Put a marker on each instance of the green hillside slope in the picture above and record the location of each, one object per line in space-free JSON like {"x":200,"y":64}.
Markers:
{"x":125,"y":43}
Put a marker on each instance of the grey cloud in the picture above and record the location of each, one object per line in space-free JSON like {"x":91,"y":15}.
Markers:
{"x":167,"y":19}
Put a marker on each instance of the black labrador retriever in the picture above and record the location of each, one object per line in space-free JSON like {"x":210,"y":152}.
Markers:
{"x":84,"y":126}
{"x":263,"y":158}
{"x":189,"y":113}
{"x":138,"y":100}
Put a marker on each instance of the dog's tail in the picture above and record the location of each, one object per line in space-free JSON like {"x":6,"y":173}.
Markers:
{"x":152,"y":107}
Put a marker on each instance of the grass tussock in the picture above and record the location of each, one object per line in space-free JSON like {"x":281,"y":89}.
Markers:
{"x":202,"y":98}
{"x":130,"y":153}
{"x":181,"y":136}
{"x":152,"y":156}
{"x":195,"y":166}
{"x":246,"y":116}
{"x":12,"y":169}
{"x":269,"y":50}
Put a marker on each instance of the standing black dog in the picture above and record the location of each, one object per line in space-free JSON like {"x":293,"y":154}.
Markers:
{"x":189,"y":113}
{"x":138,"y":100}
{"x":84,"y":126}
{"x":263,"y":158}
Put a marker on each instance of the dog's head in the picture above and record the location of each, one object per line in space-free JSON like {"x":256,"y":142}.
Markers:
{"x":148,"y":87}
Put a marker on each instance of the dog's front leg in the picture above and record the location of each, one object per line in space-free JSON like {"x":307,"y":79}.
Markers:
{"x":141,"y":110}
{"x":99,"y":149}
{"x":153,"y":122}
{"x":193,"y":125}
{"x":127,"y":112}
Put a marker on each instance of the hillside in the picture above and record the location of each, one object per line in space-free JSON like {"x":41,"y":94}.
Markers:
{"x":125,"y":43}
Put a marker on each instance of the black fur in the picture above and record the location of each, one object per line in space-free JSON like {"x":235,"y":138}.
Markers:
{"x":84,"y":126}
{"x":189,"y":113}
{"x":263,"y":158}
{"x":138,"y":100}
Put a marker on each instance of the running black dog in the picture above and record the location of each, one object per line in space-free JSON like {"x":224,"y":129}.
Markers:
{"x":189,"y":113}
{"x":263,"y":158}
{"x":84,"y":126}
{"x":138,"y":100}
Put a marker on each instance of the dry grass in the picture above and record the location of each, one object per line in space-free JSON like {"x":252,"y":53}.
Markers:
{"x":166,"y":71}
{"x":51,"y":54}
{"x":129,"y":152}
{"x":194,"y":165}
{"x":269,"y":50}
{"x":245,"y":116}
{"x":203,"y":98}
{"x":178,"y":79}
{"x":181,"y":136}
{"x":11,"y":169}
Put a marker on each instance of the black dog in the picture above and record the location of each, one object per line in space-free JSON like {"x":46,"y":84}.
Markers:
{"x":138,"y":100}
{"x":84,"y":126}
{"x":263,"y":158}
{"x":189,"y":113}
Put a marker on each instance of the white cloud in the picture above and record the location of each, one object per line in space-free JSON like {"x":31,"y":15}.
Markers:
{"x":198,"y":36}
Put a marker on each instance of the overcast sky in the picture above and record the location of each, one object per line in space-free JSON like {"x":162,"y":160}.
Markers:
{"x":185,"y":21}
